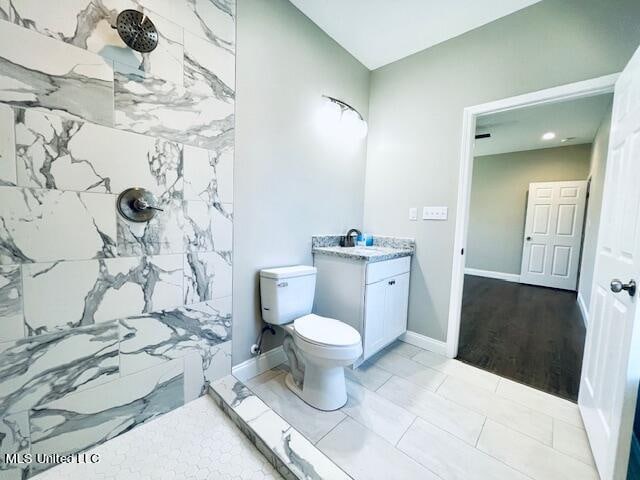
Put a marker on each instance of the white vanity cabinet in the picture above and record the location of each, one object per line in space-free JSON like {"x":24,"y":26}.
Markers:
{"x":372,"y":297}
{"x":385,"y":312}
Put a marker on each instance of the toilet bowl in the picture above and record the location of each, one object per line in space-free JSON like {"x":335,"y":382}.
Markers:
{"x":326,"y":347}
{"x":317,"y":348}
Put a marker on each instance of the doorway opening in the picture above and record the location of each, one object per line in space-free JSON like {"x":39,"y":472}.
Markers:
{"x":528,"y":221}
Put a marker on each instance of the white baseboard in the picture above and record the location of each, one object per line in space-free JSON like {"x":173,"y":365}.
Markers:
{"x":260,"y":364}
{"x":509,"y":277}
{"x":427,"y":343}
{"x":583,"y":310}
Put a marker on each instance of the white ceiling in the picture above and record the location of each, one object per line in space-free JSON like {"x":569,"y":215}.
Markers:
{"x":378,"y":32}
{"x":522,"y":129}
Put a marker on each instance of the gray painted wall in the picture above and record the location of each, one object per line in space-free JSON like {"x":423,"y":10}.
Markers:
{"x":293,"y":181}
{"x":416,"y":109}
{"x":499,"y":200}
{"x":597,"y":170}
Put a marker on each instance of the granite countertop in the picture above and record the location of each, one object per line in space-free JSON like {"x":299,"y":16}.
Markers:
{"x":368,"y":254}
{"x":384,"y":248}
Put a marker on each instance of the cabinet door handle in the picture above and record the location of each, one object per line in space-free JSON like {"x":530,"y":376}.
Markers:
{"x":392,"y":282}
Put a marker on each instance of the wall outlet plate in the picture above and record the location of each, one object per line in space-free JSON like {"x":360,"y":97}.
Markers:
{"x":435,"y":213}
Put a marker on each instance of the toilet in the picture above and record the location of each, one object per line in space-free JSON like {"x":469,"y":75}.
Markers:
{"x":317,"y":348}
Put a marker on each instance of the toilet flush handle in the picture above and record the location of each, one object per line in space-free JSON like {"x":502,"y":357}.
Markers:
{"x":283,"y":284}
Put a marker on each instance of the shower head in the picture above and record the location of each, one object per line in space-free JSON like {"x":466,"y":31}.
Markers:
{"x":137,"y":30}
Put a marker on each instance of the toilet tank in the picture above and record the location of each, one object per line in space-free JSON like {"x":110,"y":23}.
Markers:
{"x":287,"y":293}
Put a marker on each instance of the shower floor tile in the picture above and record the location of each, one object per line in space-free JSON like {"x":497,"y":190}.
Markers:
{"x":197,"y":441}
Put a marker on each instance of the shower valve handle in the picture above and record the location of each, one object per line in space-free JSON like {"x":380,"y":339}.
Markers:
{"x":137,"y":204}
{"x":140,"y":204}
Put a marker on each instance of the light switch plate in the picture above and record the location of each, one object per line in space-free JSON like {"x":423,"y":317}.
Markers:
{"x":435,"y":213}
{"x":413,"y":213}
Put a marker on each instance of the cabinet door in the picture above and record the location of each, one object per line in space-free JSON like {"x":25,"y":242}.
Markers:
{"x":375,"y":318}
{"x":396,"y":306}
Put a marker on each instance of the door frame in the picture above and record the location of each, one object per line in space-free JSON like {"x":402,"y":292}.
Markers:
{"x":572,"y":91}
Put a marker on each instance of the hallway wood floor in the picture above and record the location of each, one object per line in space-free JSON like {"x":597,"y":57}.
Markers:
{"x":533,"y":335}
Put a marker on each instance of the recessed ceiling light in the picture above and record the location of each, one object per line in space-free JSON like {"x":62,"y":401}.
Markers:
{"x":549,"y":136}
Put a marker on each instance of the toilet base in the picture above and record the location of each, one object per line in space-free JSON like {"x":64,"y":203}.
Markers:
{"x":327,"y":392}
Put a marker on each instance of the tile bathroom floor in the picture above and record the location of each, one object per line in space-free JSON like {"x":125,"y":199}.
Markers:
{"x":194,"y":442}
{"x":415,"y":414}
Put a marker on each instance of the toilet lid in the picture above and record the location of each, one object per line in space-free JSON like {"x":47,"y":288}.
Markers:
{"x":326,"y":331}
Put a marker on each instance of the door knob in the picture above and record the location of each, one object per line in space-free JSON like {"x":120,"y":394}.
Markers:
{"x":528,"y":239}
{"x":617,"y":286}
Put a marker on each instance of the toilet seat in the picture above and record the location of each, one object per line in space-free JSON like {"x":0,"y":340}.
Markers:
{"x":326,"y":338}
{"x":326,"y":332}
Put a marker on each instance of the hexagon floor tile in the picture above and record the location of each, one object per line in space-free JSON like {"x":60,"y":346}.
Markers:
{"x":194,"y":442}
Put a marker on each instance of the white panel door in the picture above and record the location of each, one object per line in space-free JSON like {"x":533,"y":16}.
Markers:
{"x":611,"y":365}
{"x":553,"y":234}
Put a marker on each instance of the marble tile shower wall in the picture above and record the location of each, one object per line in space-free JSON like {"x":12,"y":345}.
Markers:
{"x":104,"y":323}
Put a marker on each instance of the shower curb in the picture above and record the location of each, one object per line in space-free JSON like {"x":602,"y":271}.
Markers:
{"x":290,"y":453}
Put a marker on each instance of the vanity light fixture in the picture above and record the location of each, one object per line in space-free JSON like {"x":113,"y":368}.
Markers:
{"x":347,"y":116}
